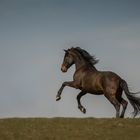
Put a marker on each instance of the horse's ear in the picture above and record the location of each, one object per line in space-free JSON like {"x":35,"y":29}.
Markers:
{"x":66,"y":51}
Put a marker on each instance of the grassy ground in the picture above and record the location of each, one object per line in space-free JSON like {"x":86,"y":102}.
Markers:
{"x":69,"y":129}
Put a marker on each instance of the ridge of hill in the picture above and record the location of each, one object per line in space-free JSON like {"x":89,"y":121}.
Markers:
{"x":69,"y":129}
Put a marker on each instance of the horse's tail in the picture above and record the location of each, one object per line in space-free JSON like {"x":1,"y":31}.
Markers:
{"x":134,"y":100}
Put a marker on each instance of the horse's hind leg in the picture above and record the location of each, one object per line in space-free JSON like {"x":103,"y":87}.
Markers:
{"x":115,"y":103}
{"x":124,"y":105}
{"x":79,"y":103}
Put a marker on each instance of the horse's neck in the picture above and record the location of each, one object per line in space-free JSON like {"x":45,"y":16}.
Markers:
{"x":80,"y":63}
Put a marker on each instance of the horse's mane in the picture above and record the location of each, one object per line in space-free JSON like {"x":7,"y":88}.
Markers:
{"x":90,"y":59}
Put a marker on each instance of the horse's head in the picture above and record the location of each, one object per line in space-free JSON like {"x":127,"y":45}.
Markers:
{"x":68,"y":60}
{"x":79,"y":57}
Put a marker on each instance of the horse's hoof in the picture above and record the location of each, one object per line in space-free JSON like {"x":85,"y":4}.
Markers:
{"x":83,"y":110}
{"x":58,"y":98}
{"x":121,"y":116}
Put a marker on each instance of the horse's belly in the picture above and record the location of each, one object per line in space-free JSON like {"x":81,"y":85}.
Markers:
{"x":95,"y":92}
{"x":93,"y":85}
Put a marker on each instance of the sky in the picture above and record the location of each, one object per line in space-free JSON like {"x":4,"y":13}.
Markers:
{"x":33,"y":34}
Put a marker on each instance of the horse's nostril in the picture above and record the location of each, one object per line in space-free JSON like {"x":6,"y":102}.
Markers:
{"x":63,"y":68}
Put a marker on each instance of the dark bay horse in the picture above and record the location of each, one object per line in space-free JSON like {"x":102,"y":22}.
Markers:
{"x":89,"y":80}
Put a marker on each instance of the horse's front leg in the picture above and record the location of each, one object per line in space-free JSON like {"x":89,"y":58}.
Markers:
{"x":70,"y":84}
{"x":82,"y":93}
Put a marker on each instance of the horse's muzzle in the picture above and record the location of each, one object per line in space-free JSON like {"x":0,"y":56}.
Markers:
{"x":63,"y":68}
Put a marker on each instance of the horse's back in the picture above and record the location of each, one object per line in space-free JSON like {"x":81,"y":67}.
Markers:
{"x":99,"y":82}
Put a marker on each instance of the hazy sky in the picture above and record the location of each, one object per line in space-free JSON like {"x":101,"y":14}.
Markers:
{"x":33,"y":34}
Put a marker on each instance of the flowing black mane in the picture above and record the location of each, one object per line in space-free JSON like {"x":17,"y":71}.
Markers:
{"x":90,"y":59}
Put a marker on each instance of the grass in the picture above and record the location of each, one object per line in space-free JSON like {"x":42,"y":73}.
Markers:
{"x":69,"y":129}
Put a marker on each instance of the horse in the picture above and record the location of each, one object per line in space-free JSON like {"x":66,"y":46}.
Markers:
{"x":89,"y":80}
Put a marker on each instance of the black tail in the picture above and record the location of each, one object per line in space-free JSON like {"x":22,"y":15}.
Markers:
{"x":134,"y":100}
